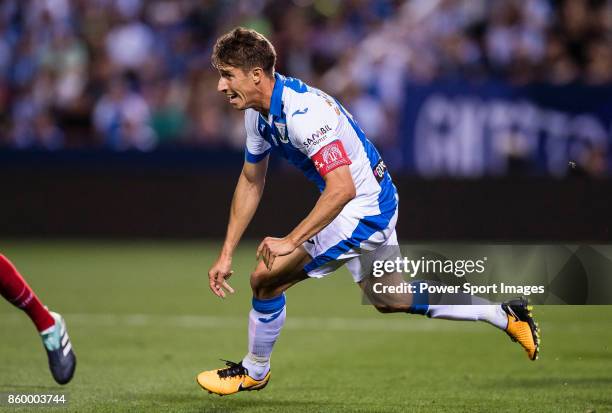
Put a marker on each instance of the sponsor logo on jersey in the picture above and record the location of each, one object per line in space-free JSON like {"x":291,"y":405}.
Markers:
{"x":299,"y":112}
{"x":379,"y":170}
{"x":321,"y":131}
{"x":317,"y":137}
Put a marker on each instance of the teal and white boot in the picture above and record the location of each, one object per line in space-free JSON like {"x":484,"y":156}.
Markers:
{"x":62,"y":361}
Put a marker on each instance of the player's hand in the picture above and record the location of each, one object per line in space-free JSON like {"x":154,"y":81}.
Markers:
{"x":270,"y":248}
{"x":218,"y":275}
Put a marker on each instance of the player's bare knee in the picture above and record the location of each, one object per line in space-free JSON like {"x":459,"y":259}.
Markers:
{"x":263,"y":285}
{"x":258,"y":281}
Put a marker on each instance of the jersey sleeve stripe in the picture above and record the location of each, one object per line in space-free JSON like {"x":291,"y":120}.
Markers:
{"x":252,"y":158}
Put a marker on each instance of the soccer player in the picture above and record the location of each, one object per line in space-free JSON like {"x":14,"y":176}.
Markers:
{"x":50,"y":325}
{"x":355,"y":213}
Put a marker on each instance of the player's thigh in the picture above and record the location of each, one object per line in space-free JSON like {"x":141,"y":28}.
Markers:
{"x":286,"y":271}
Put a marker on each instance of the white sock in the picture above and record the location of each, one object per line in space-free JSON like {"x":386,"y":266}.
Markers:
{"x":266,"y":320}
{"x":457,"y":307}
{"x":491,"y":313}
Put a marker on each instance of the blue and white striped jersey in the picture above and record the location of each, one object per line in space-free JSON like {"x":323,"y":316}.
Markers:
{"x":314,"y":132}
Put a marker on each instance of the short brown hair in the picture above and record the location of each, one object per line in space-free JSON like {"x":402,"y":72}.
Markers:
{"x":245,"y":49}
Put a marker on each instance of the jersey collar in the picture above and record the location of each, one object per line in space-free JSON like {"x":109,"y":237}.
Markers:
{"x":276,"y":100}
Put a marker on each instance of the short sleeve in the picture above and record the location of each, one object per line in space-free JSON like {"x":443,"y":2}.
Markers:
{"x":256,"y":146}
{"x":313,"y":131}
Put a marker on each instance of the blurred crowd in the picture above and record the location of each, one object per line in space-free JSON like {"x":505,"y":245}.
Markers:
{"x":136,"y":74}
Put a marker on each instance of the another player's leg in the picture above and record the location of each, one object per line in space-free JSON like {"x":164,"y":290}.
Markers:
{"x":17,"y":292}
{"x":266,"y":320}
{"x":50,"y":325}
{"x":514,"y":317}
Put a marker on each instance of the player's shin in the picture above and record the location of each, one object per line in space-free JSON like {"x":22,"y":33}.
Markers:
{"x":458,"y":306}
{"x":266,"y":320}
{"x":17,"y":291}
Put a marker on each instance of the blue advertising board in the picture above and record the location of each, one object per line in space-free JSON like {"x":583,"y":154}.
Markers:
{"x":463,"y":129}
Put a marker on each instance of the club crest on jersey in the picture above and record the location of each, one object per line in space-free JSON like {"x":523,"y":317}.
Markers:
{"x":282,"y":131}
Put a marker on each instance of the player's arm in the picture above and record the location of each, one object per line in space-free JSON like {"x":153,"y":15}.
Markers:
{"x":339,"y":190}
{"x":244,"y":204}
{"x":246,"y":199}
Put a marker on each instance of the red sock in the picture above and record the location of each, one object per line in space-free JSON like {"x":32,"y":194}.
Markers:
{"x":14,"y":288}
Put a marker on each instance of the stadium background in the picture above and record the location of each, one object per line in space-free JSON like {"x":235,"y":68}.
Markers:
{"x":118,"y":161}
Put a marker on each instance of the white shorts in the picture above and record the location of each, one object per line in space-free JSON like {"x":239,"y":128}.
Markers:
{"x":352,"y":240}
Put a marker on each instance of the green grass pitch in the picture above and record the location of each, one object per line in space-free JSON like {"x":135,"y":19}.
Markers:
{"x":143,"y":324}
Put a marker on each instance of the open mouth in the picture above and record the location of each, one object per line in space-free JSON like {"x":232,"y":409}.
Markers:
{"x":232,"y":96}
